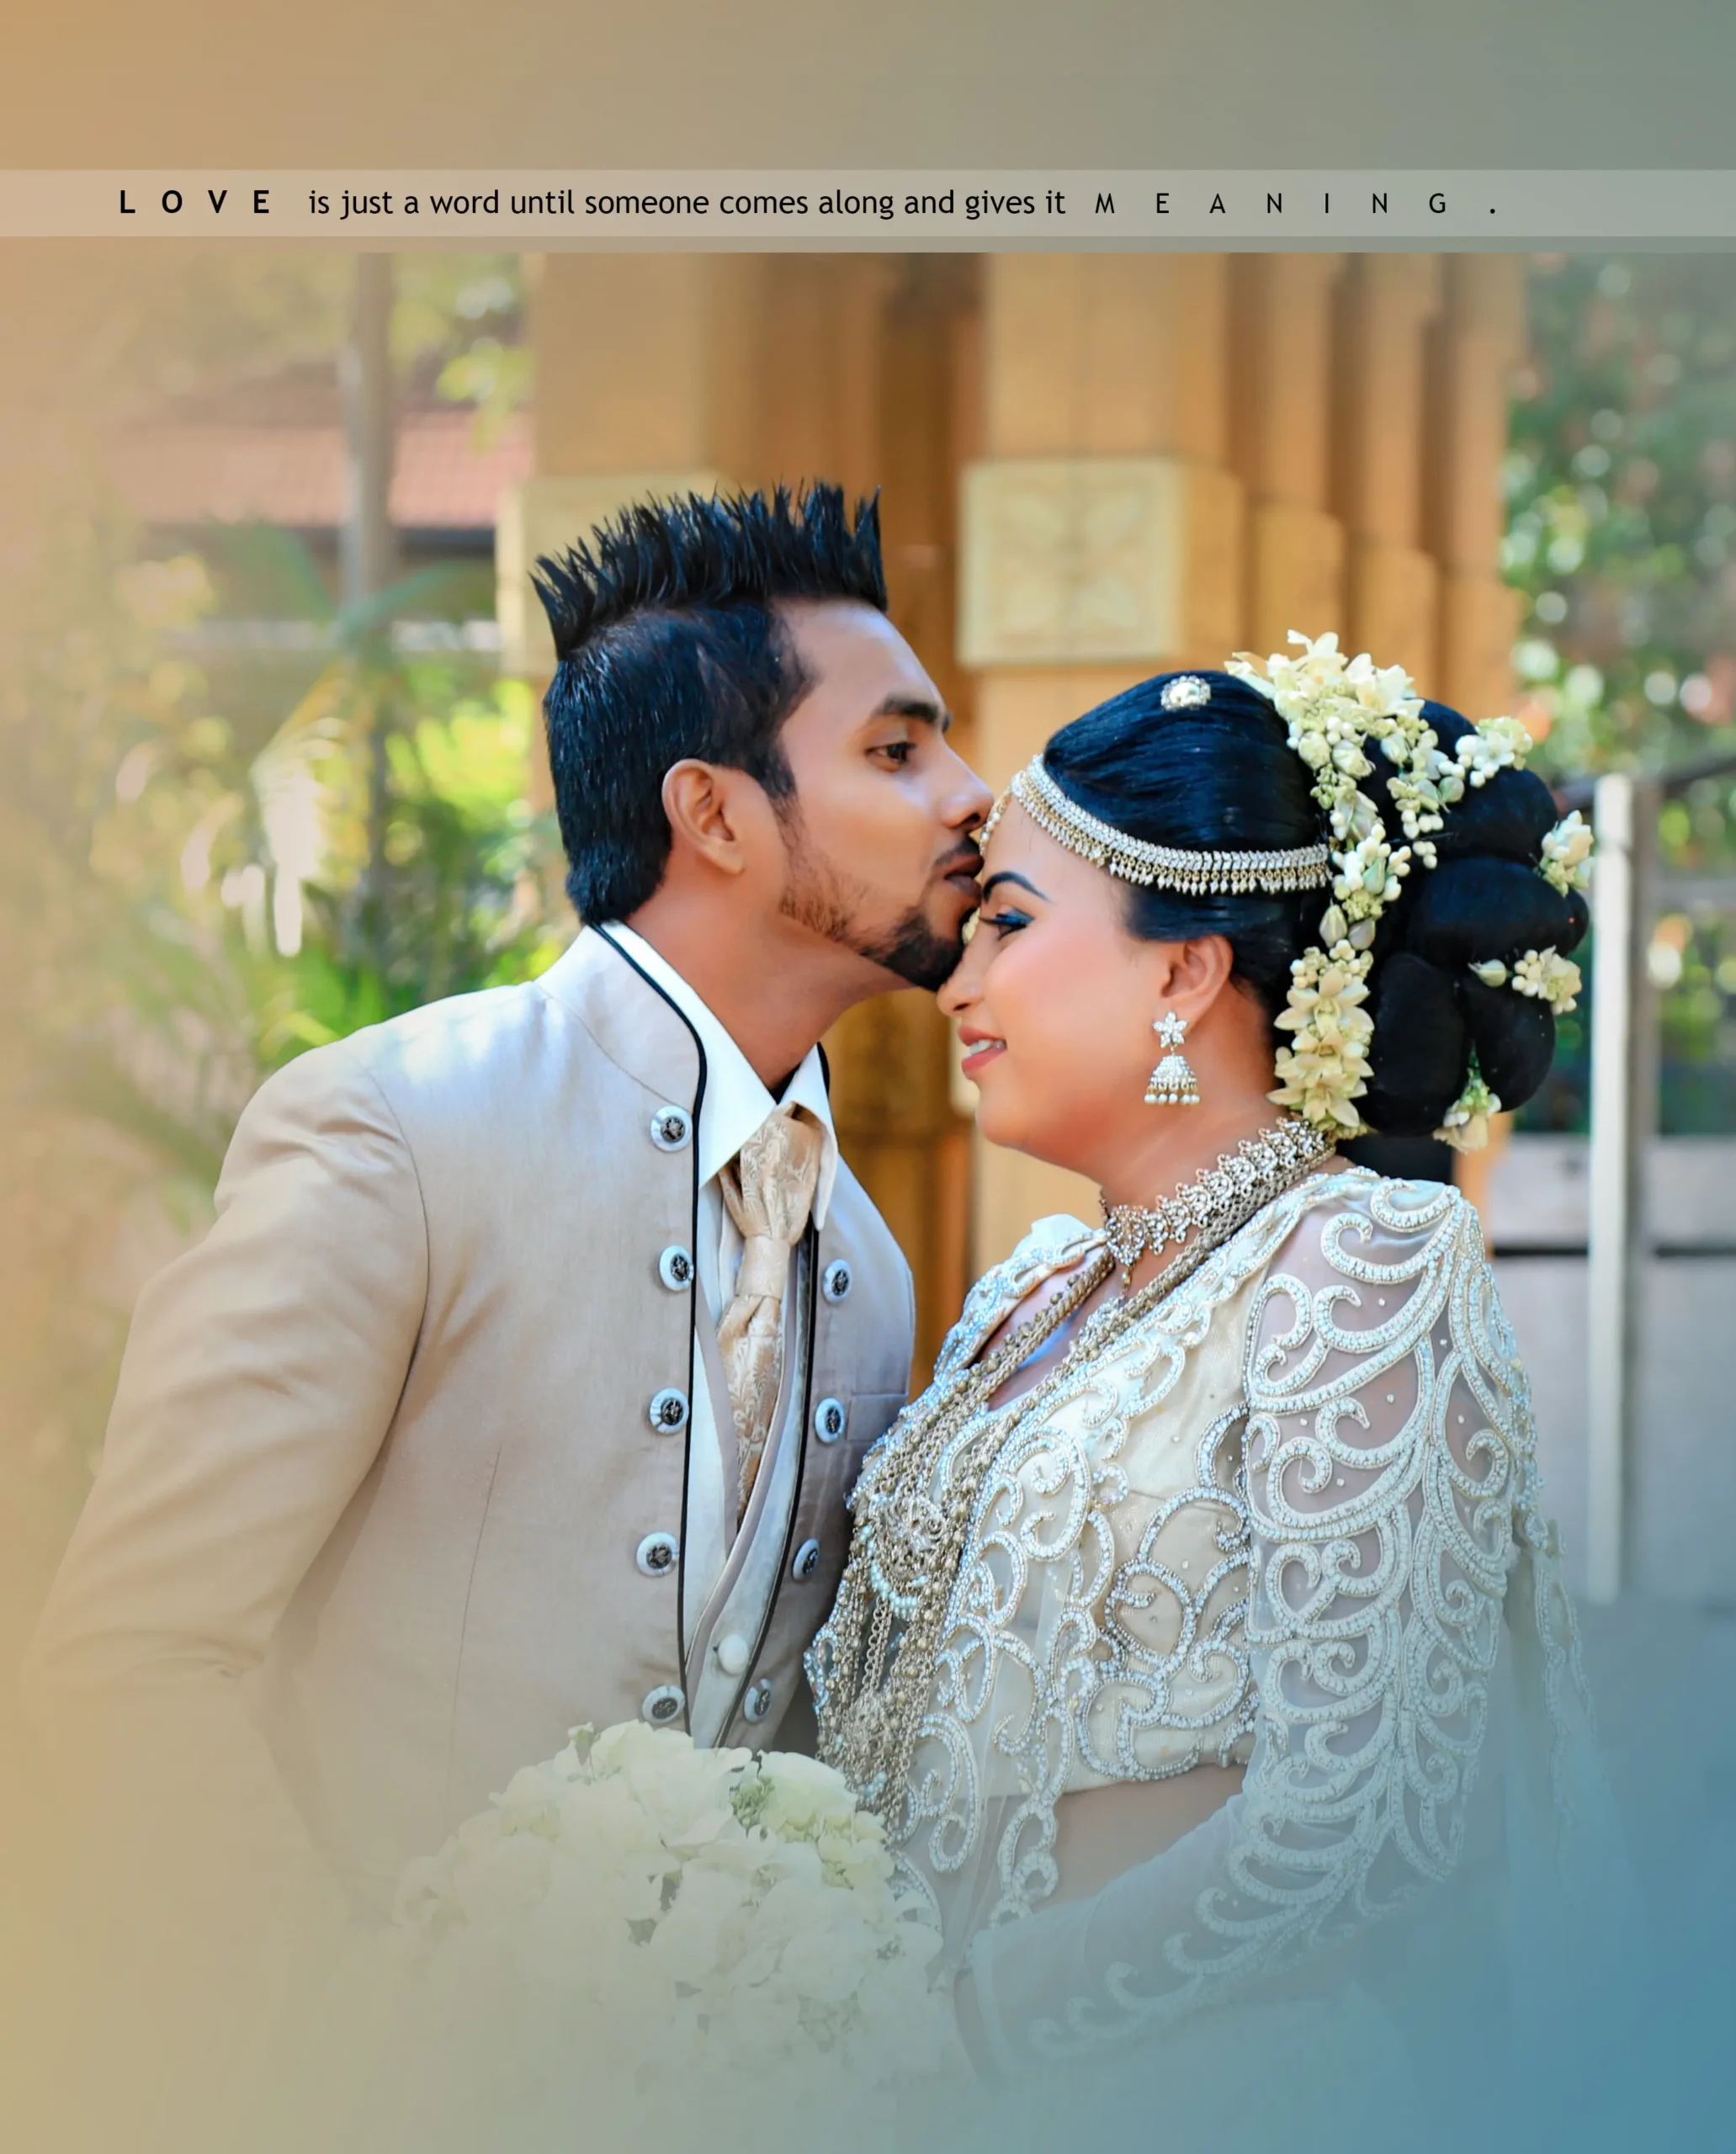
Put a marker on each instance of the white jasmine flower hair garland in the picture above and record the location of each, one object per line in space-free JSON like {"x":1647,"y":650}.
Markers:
{"x":1334,"y":707}
{"x":1544,"y":974}
{"x":1566,"y":864}
{"x":1466,"y":1128}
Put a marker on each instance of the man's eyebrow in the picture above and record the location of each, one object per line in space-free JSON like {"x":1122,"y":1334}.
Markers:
{"x":1006,"y":875}
{"x":921,"y":709}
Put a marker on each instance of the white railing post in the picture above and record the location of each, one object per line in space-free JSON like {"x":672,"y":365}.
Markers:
{"x":1610,"y":1282}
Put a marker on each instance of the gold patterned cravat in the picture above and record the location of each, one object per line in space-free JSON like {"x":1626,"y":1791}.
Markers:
{"x":768,"y":1188}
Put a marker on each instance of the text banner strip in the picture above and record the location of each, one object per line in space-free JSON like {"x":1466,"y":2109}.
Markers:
{"x":901,"y":210}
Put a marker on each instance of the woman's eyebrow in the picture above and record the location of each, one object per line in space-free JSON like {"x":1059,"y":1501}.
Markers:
{"x":1006,"y":875}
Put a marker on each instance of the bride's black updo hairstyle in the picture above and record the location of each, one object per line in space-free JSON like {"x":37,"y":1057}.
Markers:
{"x":1222,"y":776}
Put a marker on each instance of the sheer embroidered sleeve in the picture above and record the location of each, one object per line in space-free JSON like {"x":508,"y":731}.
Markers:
{"x":1388,"y":1448}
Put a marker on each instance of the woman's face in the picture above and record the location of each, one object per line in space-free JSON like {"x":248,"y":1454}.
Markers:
{"x":1055,"y":1001}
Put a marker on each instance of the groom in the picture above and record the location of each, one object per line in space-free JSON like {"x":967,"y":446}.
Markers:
{"x":522,"y":1378}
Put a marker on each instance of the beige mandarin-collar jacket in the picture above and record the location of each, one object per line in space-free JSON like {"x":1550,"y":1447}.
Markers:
{"x":384,"y":1453}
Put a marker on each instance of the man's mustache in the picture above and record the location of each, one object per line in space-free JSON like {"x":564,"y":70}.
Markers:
{"x":967,"y":859}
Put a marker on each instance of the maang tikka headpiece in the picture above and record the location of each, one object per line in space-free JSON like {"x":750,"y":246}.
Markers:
{"x":1194,"y":873}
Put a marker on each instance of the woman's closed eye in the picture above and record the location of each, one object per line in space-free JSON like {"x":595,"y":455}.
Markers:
{"x":1007,"y":921}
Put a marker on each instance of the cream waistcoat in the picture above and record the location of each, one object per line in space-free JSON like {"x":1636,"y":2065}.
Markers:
{"x":728,"y":1583}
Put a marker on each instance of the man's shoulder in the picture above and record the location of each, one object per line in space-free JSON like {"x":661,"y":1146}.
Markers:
{"x":587,"y":1003}
{"x":494,"y":1060}
{"x":421,"y":1049}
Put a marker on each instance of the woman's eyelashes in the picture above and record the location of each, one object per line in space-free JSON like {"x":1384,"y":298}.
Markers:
{"x":1007,"y":922}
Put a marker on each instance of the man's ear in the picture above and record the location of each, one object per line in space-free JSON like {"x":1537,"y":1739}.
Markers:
{"x":703,"y":803}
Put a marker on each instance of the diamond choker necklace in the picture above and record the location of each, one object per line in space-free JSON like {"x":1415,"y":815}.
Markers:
{"x":1266,"y":1165}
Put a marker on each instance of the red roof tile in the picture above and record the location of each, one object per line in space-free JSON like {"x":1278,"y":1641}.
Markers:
{"x":225,"y":472}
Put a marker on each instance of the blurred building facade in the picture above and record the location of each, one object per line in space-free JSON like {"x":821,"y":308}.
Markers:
{"x":1093,"y":466}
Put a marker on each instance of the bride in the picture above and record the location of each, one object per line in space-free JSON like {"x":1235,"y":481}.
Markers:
{"x":1171,"y":1639}
{"x":1169,"y":1635}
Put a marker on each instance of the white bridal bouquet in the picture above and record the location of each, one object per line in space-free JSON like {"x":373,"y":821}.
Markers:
{"x":637,"y":1921}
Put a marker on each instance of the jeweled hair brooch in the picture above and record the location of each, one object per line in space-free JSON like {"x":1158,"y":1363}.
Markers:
{"x":1187,"y":692}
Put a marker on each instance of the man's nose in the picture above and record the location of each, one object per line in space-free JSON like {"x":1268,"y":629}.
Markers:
{"x":971,"y":798}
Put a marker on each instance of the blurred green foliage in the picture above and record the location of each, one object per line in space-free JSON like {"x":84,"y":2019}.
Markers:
{"x":191,"y":324}
{"x":1621,"y":487}
{"x":213,"y":855}
{"x":1621,"y":510}
{"x":187,"y":907}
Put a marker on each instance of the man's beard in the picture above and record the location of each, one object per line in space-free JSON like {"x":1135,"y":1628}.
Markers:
{"x":819,"y":898}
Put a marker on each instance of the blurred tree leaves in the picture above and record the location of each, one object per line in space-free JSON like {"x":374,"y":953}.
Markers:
{"x":1621,"y":510}
{"x":185,"y":905}
{"x":190,"y":323}
{"x":216,"y":852}
{"x":1621,"y":532}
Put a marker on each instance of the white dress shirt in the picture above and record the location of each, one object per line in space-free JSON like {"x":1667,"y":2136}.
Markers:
{"x":734,"y":1104}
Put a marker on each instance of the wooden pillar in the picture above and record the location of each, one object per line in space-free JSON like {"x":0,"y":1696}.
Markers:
{"x":901,"y":422}
{"x":645,"y":383}
{"x":1388,"y":302}
{"x":819,"y":411}
{"x":1105,"y":355}
{"x":1478,"y":339}
{"x":1103,"y":535}
{"x":644,"y":363}
{"x":1282,"y":354}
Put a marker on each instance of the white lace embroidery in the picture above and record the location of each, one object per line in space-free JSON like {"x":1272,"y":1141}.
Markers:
{"x":1044,"y":1538}
{"x":1350,"y":1618}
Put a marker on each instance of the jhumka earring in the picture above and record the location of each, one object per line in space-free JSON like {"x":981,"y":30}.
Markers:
{"x":1173,"y":1083}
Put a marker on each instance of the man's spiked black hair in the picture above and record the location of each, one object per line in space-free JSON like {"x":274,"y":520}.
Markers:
{"x":667,"y":646}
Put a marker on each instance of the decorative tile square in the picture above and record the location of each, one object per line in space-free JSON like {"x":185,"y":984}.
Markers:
{"x":1074,"y":559}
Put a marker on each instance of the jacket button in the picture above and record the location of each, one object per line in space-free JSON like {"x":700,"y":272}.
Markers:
{"x":732,"y":1653}
{"x":672,"y":1127}
{"x":758,"y":1702}
{"x":668,"y":1413}
{"x":829,"y":1420}
{"x":836,"y":1281}
{"x":675,"y":1268}
{"x":807,"y":1562}
{"x":657,"y":1554}
{"x":662,"y":1705}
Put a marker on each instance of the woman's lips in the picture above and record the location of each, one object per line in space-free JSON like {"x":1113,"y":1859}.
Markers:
{"x":980,"y":1055}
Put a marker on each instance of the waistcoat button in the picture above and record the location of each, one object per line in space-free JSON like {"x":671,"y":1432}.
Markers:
{"x":758,"y":1702}
{"x":675,"y":1268}
{"x":662,"y":1705}
{"x":835,"y":1282}
{"x":807,"y":1562}
{"x":732,"y":1653}
{"x":657,"y":1554}
{"x":668,"y":1413}
{"x":671,"y":1128}
{"x":829,"y":1420}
